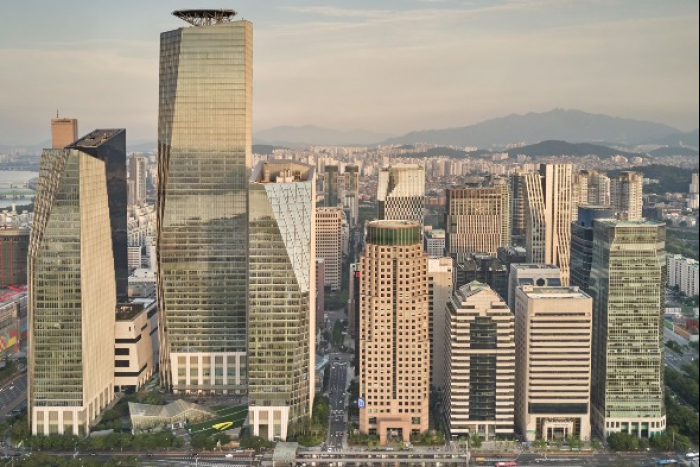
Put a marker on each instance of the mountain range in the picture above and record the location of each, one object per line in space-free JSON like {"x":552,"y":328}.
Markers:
{"x":310,"y":134}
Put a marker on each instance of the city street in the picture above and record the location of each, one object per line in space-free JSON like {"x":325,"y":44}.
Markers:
{"x":13,"y":394}
{"x":673,"y":359}
{"x":336,"y":394}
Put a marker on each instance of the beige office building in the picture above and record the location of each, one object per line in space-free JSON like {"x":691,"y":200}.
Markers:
{"x":393,"y":336}
{"x":329,"y":244}
{"x":480,"y":364}
{"x":282,"y":294}
{"x":548,"y":196}
{"x":626,"y":195}
{"x":134,"y":336}
{"x":401,"y":193}
{"x":477,"y":219}
{"x":63,"y":132}
{"x":439,"y":293}
{"x":72,"y":293}
{"x":553,"y":328}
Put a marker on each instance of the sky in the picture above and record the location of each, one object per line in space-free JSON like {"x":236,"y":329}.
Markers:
{"x":390,"y":66}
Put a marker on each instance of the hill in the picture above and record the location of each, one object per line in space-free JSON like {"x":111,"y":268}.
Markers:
{"x":265,"y":149}
{"x":557,"y":124}
{"x":673,"y":151}
{"x":309,"y":134}
{"x":563,"y":148}
{"x":689,"y":138}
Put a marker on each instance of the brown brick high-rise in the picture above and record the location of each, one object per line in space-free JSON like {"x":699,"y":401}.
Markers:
{"x":393,"y":335}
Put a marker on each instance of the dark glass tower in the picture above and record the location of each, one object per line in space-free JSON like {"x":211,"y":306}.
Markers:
{"x":582,"y":242}
{"x":204,"y":159}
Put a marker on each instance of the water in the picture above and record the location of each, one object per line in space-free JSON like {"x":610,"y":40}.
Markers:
{"x":14,"y":183}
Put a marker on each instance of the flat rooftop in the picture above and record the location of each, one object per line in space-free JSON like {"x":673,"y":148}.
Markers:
{"x":94,"y":138}
{"x":554,"y":292}
{"x":533,"y":266}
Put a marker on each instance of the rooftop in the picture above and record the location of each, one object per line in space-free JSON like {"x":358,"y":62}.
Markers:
{"x":205,"y":17}
{"x":554,"y":292}
{"x":533,"y":266}
{"x":94,"y":138}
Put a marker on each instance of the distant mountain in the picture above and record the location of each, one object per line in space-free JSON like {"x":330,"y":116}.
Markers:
{"x":689,"y":138}
{"x":673,"y":151}
{"x":265,"y":149}
{"x":442,"y":151}
{"x":309,"y":134}
{"x":557,"y":124}
{"x":562,"y":148}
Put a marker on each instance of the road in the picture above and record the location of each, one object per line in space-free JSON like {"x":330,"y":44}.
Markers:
{"x":336,"y":394}
{"x":673,"y":359}
{"x":13,"y":394}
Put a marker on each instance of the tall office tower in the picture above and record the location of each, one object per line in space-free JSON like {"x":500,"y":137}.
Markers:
{"x":540,"y":275}
{"x":507,"y":222}
{"x":401,"y":193}
{"x":482,"y":268}
{"x":394,"y":344}
{"x":351,"y":198}
{"x":320,"y":297}
{"x":332,"y":186}
{"x":204,"y":159}
{"x":439,"y":293}
{"x":480,"y":364}
{"x":353,"y":300}
{"x":137,"y":174}
{"x":517,"y":208}
{"x":14,"y":244}
{"x":110,"y":146}
{"x":582,"y":242}
{"x":281,"y":308}
{"x":477,"y":219}
{"x":329,"y":244}
{"x":72,"y":290}
{"x":693,"y":193}
{"x":626,"y":195}
{"x":553,"y":363}
{"x":63,"y":132}
{"x":548,"y":218}
{"x":627,"y":285}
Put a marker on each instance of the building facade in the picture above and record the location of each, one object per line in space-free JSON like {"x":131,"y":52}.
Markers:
{"x":626,"y":195}
{"x":329,"y":244}
{"x":539,"y":275}
{"x":332,"y":186}
{"x":282,"y":294}
{"x":351,"y":193}
{"x":394,"y":343}
{"x":401,"y":193}
{"x":137,"y":179}
{"x":440,"y":289}
{"x":627,"y":285}
{"x":582,"y":242}
{"x":548,"y":218}
{"x":434,"y":243}
{"x":134,"y":349}
{"x":553,"y":363}
{"x":63,"y":132}
{"x":204,"y":162}
{"x":14,"y":245}
{"x":479,"y":397}
{"x":72,"y":293}
{"x":684,"y":273}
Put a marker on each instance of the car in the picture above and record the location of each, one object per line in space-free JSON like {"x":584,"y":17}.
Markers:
{"x":228,"y":456}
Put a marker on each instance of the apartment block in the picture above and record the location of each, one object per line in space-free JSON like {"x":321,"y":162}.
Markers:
{"x":683,"y":272}
{"x":626,"y":195}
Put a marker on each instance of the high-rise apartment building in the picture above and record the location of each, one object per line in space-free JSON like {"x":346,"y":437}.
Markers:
{"x":540,"y":275}
{"x":480,"y":364}
{"x":137,"y":175}
{"x":626,"y":195}
{"x":589,"y":187}
{"x":553,"y":363}
{"x":63,"y":132}
{"x":683,"y":273}
{"x":582,"y":242}
{"x":439,"y":292}
{"x":204,"y":162}
{"x":401,"y":193}
{"x":477,"y":218}
{"x":693,"y":201}
{"x":627,"y":285}
{"x":281,"y":309}
{"x":329,"y":244}
{"x":548,"y":196}
{"x":72,"y":288}
{"x":332,"y":186}
{"x":351,"y":194}
{"x":393,"y":335}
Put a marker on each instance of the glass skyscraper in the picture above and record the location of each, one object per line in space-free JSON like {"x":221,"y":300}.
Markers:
{"x":72,"y":287}
{"x":204,"y":159}
{"x":282,"y":297}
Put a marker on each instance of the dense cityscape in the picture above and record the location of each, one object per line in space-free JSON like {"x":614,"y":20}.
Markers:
{"x":218,"y":299}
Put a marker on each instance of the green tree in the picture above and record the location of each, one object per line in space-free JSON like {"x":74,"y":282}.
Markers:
{"x":475,"y":441}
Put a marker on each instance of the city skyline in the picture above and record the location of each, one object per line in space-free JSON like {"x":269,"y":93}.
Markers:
{"x":458,"y":61}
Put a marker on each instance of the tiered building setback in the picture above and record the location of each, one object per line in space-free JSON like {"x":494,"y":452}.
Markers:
{"x":401,"y":193}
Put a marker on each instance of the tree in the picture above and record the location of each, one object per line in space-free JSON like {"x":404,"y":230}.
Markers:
{"x":475,"y":441}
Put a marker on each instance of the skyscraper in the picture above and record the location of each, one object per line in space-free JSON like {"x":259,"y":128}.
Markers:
{"x":72,"y":288}
{"x":480,"y":364}
{"x":394,"y":344}
{"x":329,"y":244}
{"x":627,"y":285}
{"x":282,"y":295}
{"x":439,"y":293}
{"x":548,"y":216}
{"x":351,"y":200}
{"x":590,"y":187}
{"x":626,"y":195}
{"x":63,"y":132}
{"x":582,"y":242}
{"x":477,"y":219}
{"x":332,"y":186}
{"x":204,"y":159}
{"x":517,"y":208}
{"x":553,"y":363}
{"x":401,"y":193}
{"x":539,"y":275}
{"x":137,"y":175}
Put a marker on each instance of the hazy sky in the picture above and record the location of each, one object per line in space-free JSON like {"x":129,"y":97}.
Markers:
{"x":389,"y":66}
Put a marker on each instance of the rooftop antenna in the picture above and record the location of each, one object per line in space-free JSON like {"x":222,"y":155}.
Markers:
{"x":56,"y":113}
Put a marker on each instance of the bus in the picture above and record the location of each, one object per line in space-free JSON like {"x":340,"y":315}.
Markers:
{"x":506,"y":464}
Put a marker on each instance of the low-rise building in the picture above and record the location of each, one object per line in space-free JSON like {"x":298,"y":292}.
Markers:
{"x":134,"y":333}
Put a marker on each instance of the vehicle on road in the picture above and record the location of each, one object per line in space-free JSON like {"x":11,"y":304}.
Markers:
{"x":667,"y":462}
{"x":691,"y":456}
{"x":228,"y":456}
{"x":506,"y":464}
